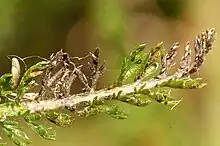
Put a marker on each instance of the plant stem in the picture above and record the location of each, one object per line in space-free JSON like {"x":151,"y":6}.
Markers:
{"x":103,"y":94}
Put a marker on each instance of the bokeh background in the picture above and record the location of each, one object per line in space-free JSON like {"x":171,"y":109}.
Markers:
{"x":40,"y":27}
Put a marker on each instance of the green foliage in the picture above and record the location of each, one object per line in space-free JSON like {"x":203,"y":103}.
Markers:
{"x":137,"y":68}
{"x":98,"y":106}
{"x":11,"y":129}
{"x":115,"y":112}
{"x":172,"y":8}
{"x":6,"y":85}
{"x":184,"y":83}
{"x":135,"y":99}
{"x":10,"y":106}
{"x":11,"y":109}
{"x":154,"y":65}
{"x":142,"y":65}
{"x":111,"y":110}
{"x":133,"y":65}
{"x":45,"y":132}
{"x":162,"y":95}
{"x":60,"y":119}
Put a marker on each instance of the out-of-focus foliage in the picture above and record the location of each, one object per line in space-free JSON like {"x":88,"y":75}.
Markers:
{"x":168,"y":9}
{"x":172,"y":8}
{"x":110,"y":24}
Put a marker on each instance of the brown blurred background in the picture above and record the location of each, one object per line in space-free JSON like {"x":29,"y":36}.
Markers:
{"x":40,"y":27}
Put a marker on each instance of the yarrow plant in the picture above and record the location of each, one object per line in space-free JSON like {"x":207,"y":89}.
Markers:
{"x":43,"y":90}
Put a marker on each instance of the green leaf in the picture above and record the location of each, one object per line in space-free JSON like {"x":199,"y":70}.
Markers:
{"x":6,"y":85}
{"x":136,"y":99}
{"x":133,"y":65}
{"x":32,"y":117}
{"x":12,"y":109}
{"x":6,"y":81}
{"x":97,"y":101}
{"x":6,"y":93}
{"x":60,"y":119}
{"x":90,"y":111}
{"x":45,"y":132}
{"x":151,"y":71}
{"x":16,"y":135}
{"x":162,"y":95}
{"x":154,"y":65}
{"x":7,"y":122}
{"x":115,"y":112}
{"x":157,"y":53}
{"x":184,"y":83}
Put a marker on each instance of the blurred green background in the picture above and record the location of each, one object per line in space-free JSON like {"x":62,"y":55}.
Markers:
{"x":40,"y":27}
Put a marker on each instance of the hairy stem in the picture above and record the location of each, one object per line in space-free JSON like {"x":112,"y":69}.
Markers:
{"x":103,"y":94}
